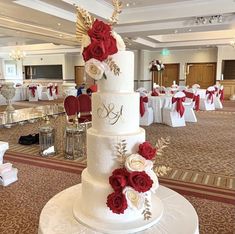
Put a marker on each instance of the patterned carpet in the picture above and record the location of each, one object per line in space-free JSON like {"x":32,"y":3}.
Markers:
{"x":22,"y":202}
{"x":201,"y":156}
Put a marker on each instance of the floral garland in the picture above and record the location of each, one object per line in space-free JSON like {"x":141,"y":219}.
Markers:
{"x":156,"y":65}
{"x":133,"y":181}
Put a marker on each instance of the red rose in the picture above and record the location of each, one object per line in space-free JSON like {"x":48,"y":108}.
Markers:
{"x":95,"y":50}
{"x":140,"y":181}
{"x":117,"y":202}
{"x":147,"y":151}
{"x":111,"y":45}
{"x":118,"y":182}
{"x":121,"y":171}
{"x":99,"y":30}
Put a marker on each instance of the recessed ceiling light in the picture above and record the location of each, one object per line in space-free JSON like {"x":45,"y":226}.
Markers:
{"x":128,"y":4}
{"x":59,"y":24}
{"x":190,"y":30}
{"x":61,"y":35}
{"x":176,"y":31}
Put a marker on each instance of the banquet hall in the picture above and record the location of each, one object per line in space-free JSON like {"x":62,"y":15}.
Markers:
{"x":183,"y":75}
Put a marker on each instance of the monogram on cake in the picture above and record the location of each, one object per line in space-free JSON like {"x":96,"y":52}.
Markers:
{"x":118,"y":185}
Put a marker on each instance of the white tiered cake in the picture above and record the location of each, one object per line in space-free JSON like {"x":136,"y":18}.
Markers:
{"x":116,"y":188}
{"x":115,"y":117}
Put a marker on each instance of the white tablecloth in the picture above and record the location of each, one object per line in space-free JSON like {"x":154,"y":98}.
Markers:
{"x":179,"y":216}
{"x":157,"y":103}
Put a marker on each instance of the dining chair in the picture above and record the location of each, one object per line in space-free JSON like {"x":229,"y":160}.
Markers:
{"x":173,"y":114}
{"x":85,"y":108}
{"x":71,"y":106}
{"x":146,"y":112}
{"x":189,"y":104}
{"x":208,"y":102}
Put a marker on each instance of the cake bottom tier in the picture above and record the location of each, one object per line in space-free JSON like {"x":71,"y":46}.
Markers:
{"x":91,"y":210}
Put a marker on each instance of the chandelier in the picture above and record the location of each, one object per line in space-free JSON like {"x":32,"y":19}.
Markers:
{"x":17,"y":54}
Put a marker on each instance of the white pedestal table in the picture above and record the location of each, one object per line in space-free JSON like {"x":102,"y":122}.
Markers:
{"x":179,"y":216}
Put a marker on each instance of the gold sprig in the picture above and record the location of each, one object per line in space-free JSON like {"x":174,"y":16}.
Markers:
{"x":117,"y":10}
{"x":84,"y":23}
{"x":147,"y":212}
{"x":113,"y":66}
{"x":162,"y":170}
{"x":162,"y":144}
{"x":121,"y":152}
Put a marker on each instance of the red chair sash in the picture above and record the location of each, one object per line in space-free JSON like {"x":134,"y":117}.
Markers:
{"x":196,"y":99}
{"x":33,"y":88}
{"x":179,"y":104}
{"x":154,"y":93}
{"x":189,"y":94}
{"x":221,"y":92}
{"x":56,"y":89}
{"x":210,"y":95}
{"x":142,"y":107}
{"x":50,"y":90}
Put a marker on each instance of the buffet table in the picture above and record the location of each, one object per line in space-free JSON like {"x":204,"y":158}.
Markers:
{"x":179,"y":216}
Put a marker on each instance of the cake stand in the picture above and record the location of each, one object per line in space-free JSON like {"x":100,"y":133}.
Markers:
{"x":179,"y":216}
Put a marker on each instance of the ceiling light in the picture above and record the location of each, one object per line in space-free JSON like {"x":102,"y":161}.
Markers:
{"x":17,"y":54}
{"x":211,"y":19}
{"x":128,"y":4}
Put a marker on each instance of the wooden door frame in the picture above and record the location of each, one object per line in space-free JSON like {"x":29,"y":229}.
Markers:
{"x":215,"y":63}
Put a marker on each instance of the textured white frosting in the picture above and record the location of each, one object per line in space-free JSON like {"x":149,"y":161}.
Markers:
{"x":115,"y":113}
{"x":124,"y":82}
{"x":94,"y":197}
{"x":102,"y":155}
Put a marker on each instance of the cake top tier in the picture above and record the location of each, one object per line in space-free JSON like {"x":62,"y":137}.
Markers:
{"x":100,"y":45}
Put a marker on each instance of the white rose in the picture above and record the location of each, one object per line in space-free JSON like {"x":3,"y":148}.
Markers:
{"x":120,"y":43}
{"x":136,"y":162}
{"x":135,"y":200}
{"x":94,"y":69}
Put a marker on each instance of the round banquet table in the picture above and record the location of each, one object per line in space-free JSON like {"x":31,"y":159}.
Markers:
{"x":179,"y":216}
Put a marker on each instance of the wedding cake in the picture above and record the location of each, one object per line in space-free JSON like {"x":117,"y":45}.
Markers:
{"x":118,"y":184}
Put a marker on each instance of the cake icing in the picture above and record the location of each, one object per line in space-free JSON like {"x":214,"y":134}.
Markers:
{"x":118,"y":182}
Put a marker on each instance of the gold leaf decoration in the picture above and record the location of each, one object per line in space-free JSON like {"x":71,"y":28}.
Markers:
{"x":162,"y":144}
{"x":113,"y":66}
{"x":121,"y":152}
{"x":84,"y":23}
{"x":162,"y":170}
{"x":147,"y":212}
{"x":117,"y":10}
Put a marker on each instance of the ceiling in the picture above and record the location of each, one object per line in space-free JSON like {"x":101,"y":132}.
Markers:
{"x":47,"y":26}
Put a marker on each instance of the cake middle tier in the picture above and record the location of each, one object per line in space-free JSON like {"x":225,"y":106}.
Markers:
{"x":102,"y":151}
{"x":115,"y":113}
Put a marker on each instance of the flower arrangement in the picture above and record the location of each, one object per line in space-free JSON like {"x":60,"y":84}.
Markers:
{"x":99,"y":42}
{"x":156,"y":65}
{"x":134,"y":180}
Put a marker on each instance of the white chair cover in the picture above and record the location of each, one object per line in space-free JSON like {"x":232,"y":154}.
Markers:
{"x":147,"y":118}
{"x":171,"y":115}
{"x":189,"y":104}
{"x":47,"y":93}
{"x":218,"y":103}
{"x":208,"y":102}
{"x":33,"y":92}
